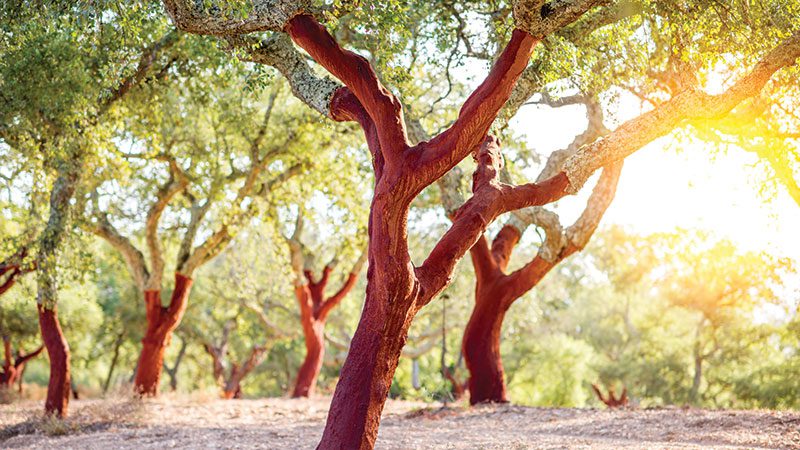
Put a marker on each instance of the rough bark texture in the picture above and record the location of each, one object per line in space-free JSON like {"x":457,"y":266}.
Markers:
{"x":58,"y":388}
{"x":161,"y":322}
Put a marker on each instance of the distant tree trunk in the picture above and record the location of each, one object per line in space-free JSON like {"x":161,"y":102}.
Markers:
{"x":113,"y":365}
{"x":173,"y":371}
{"x":58,"y":389}
{"x":611,"y":400}
{"x":493,"y":296}
{"x":457,"y":388}
{"x":314,"y":309}
{"x":231,"y":385}
{"x":481,"y":347}
{"x":161,"y":322}
{"x":696,"y":380}
{"x":14,"y":367}
{"x":699,"y":357}
{"x":313,"y":331}
{"x":21,"y":375}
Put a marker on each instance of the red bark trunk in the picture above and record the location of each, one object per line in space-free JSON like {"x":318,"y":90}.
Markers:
{"x":13,"y":368}
{"x":481,"y":347}
{"x":395,"y":288}
{"x":495,"y":292}
{"x":367,"y":373}
{"x":58,"y":389}
{"x":313,"y":331}
{"x":161,"y":322}
{"x":233,"y":392}
{"x":612,"y":401}
{"x":314,"y":310}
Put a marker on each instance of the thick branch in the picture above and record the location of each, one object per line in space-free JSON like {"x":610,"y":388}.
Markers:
{"x":348,"y":285}
{"x":447,"y":149}
{"x":146,"y":61}
{"x":490,"y":199}
{"x":687,"y":106}
{"x":279,"y":52}
{"x":540,"y":18}
{"x":579,"y":233}
{"x":503,"y":244}
{"x":357,"y":74}
{"x":482,"y":258}
{"x":176,"y":183}
{"x":212,"y":19}
{"x":134,"y":258}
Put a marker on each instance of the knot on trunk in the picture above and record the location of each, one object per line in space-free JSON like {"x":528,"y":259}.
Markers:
{"x":489,"y":161}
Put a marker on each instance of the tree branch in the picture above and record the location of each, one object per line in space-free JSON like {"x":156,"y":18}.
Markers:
{"x":690,"y":105}
{"x":134,"y":258}
{"x":348,"y":285}
{"x":146,"y":61}
{"x":177,"y":182}
{"x":357,"y":74}
{"x":212,"y":19}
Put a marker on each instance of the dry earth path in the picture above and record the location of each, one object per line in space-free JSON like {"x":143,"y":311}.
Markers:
{"x":191,"y":422}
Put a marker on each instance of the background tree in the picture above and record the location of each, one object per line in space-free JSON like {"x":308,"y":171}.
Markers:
{"x":55,"y":108}
{"x":315,"y":305}
{"x":244,"y":164}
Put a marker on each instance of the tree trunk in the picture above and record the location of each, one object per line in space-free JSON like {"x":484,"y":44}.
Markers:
{"x":113,"y":365}
{"x":20,"y":375}
{"x":306,"y":381}
{"x":233,"y":390}
{"x":173,"y":372}
{"x":161,"y":322}
{"x":481,"y":347}
{"x":698,"y":378}
{"x":366,"y":375}
{"x":58,"y":389}
{"x":230,"y":392}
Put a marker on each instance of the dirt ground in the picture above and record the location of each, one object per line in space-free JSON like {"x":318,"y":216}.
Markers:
{"x":191,"y":422}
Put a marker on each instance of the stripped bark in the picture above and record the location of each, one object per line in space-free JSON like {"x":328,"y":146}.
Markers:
{"x":148,"y":272}
{"x":58,"y":388}
{"x":315,"y":307}
{"x":396,"y":290}
{"x":611,"y":400}
{"x":13,"y":367}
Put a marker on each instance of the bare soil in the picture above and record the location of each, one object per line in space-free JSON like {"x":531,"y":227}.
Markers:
{"x":278,"y":423}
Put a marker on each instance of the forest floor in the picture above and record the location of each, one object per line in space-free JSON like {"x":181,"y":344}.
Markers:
{"x":278,"y":423}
